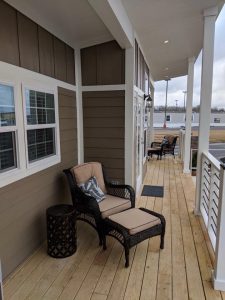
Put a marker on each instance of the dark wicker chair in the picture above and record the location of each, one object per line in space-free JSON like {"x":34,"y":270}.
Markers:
{"x":118,"y":197}
{"x":163,"y":148}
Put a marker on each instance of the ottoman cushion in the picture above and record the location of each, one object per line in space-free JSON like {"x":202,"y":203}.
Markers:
{"x":135,"y":220}
{"x":113,"y":205}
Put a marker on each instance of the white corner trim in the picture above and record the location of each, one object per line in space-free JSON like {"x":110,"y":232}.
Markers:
{"x":129,"y":119}
{"x":79,"y":101}
{"x":138,"y":91}
{"x":217,"y":283}
{"x":96,"y":88}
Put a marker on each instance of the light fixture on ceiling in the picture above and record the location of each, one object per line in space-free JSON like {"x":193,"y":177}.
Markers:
{"x":166,"y":42}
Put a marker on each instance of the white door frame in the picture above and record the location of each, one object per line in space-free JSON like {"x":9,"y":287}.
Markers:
{"x":139,"y":103}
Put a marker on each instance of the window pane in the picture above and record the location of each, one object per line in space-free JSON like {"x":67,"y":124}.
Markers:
{"x":7,"y":151}
{"x":50,"y":101}
{"x":40,"y":108}
{"x":7,"y":106}
{"x":41,"y":143}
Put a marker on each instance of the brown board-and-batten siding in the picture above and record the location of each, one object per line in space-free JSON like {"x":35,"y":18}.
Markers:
{"x":23,"y":204}
{"x":26,"y":44}
{"x":104,"y":130}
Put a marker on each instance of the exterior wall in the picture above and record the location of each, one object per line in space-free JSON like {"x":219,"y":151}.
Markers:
{"x":26,"y":44}
{"x":104,"y":111}
{"x":104,"y":130}
{"x":103,"y":64}
{"x":144,"y":170}
{"x":23,"y":203}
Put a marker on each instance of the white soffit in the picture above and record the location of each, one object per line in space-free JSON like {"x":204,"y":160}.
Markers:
{"x":178,"y":21}
{"x":73,"y":21}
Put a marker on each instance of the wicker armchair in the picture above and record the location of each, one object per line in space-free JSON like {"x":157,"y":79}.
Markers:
{"x":164,"y":148}
{"x":118,"y":197}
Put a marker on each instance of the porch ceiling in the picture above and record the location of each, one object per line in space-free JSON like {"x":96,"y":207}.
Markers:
{"x":178,"y":21}
{"x":73,"y":21}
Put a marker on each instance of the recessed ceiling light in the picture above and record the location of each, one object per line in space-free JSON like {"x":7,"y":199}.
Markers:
{"x":166,"y":42}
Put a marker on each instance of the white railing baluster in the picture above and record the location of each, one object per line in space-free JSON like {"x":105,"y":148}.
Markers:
{"x":211,"y":218}
{"x":219,"y":271}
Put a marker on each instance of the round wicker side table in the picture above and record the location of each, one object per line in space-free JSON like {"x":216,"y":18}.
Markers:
{"x":61,"y":231}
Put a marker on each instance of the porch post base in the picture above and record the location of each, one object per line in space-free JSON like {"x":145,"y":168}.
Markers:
{"x":186,"y":171}
{"x":218,"y":284}
{"x":197,"y":212}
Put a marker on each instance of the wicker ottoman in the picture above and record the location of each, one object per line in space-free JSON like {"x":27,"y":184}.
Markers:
{"x":133,"y":226}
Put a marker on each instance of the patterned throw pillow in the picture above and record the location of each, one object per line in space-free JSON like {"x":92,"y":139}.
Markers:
{"x":91,"y":188}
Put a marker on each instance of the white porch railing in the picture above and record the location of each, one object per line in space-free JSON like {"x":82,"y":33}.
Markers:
{"x":212,"y":208}
{"x":210,"y":186}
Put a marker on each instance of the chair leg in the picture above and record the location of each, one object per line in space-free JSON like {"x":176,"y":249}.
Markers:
{"x":104,"y":242}
{"x":162,"y":241}
{"x":163,"y":222}
{"x":126,"y":256}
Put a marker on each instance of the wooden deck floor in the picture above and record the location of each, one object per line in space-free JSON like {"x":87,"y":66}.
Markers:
{"x":181,"y":271}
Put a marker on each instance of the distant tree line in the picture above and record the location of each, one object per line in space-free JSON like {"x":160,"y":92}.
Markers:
{"x":196,"y":109}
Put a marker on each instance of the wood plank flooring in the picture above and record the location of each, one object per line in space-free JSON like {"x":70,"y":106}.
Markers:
{"x":181,"y":271}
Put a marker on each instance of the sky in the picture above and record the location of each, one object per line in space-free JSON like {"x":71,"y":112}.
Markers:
{"x":179,"y":84}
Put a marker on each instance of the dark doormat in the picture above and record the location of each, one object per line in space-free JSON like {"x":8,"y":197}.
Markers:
{"x":152,"y":191}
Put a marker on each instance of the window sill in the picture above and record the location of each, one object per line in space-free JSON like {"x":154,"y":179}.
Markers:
{"x":14,"y":175}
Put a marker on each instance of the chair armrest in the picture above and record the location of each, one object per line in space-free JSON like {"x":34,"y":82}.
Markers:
{"x":122,"y":191}
{"x":161,"y":217}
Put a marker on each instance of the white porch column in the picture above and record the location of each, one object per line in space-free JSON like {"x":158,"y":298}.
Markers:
{"x":187,"y":141}
{"x":206,"y":94}
{"x":79,"y":99}
{"x":151,"y":125}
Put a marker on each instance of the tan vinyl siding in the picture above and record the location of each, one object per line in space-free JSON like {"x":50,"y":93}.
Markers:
{"x":104,"y":127}
{"x":23,"y":203}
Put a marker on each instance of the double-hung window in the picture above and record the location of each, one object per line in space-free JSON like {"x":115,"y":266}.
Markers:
{"x":8,"y":129}
{"x":40,"y":126}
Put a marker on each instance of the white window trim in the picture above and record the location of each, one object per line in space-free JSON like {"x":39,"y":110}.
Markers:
{"x":7,"y":174}
{"x":19,"y":77}
{"x":53,"y":159}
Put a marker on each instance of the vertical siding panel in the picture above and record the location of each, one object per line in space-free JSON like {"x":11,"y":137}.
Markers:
{"x":9,"y":51}
{"x":70,"y":65}
{"x":46,"y":52}
{"x":89,"y":65}
{"x":28,"y":43}
{"x":60,"y":59}
{"x":110,"y":64}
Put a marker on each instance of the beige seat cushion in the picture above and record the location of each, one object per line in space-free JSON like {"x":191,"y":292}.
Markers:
{"x":113,"y":205}
{"x":135,"y":220}
{"x":84,"y":172}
